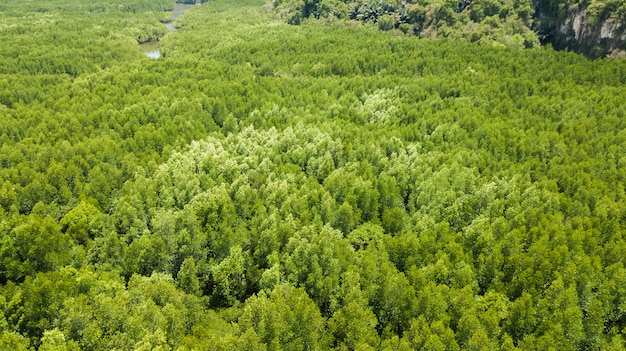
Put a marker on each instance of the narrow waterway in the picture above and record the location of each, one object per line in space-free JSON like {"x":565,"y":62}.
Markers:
{"x":152,"y":49}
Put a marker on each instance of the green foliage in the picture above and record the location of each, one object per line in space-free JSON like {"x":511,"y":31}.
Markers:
{"x":11,"y":341}
{"x":34,"y":245}
{"x":491,"y":22}
{"x":286,"y":320}
{"x":324,"y":186}
{"x":187,"y":277}
{"x":54,"y":340}
{"x":520,"y":24}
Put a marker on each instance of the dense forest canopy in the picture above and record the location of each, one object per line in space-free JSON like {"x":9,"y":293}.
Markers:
{"x":504,"y":22}
{"x":264,"y":186}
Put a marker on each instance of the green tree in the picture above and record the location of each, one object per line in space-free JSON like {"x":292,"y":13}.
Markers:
{"x":14,"y":342}
{"x":54,"y":340}
{"x":388,"y":291}
{"x":83,"y":222}
{"x":36,"y":245}
{"x":187,"y":277}
{"x":228,"y":278}
{"x":354,"y":324}
{"x":344,"y":218}
{"x":286,"y":320}
{"x":146,"y":255}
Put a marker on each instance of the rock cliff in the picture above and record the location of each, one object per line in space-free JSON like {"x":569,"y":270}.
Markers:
{"x":582,"y":29}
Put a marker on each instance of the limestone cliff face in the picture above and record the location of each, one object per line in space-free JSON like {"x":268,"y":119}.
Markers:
{"x":595,"y":39}
{"x":576,"y":30}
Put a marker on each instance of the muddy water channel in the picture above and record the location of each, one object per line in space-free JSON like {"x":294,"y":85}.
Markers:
{"x":152,"y":49}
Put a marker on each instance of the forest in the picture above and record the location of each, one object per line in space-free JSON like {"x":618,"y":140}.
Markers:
{"x":322,"y":186}
{"x":595,"y":28}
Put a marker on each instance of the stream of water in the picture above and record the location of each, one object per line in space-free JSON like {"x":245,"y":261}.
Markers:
{"x":152,"y":49}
